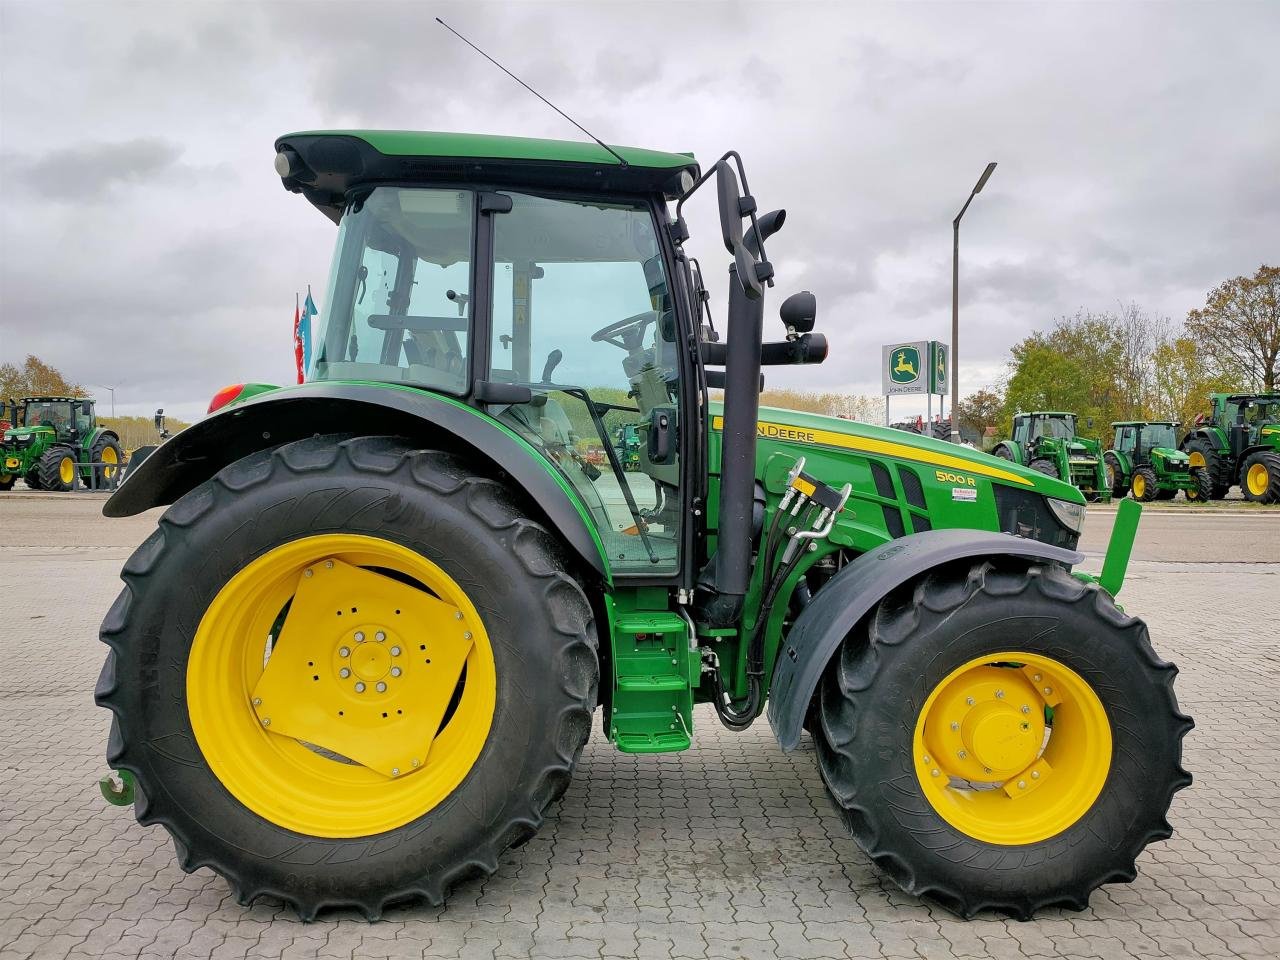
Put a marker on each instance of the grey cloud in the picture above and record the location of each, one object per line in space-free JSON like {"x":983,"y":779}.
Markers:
{"x":92,"y":171}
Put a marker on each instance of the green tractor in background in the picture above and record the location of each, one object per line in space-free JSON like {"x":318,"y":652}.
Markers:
{"x":54,"y":439}
{"x":1146,"y":460}
{"x":1047,"y":441}
{"x":1239,"y":443}
{"x":362,"y":653}
{"x":627,"y":439}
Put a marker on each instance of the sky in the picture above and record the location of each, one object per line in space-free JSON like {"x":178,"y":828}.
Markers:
{"x":146,"y":244}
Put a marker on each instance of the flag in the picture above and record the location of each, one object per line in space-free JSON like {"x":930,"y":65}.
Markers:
{"x":297,"y":337}
{"x":308,"y":311}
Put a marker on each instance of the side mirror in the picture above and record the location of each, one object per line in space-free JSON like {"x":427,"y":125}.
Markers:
{"x":87,"y":407}
{"x":1089,"y":423}
{"x":765,"y":227}
{"x":730,"y":202}
{"x":799,"y":311}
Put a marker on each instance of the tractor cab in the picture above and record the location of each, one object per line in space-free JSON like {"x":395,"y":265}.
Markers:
{"x":68,"y":417}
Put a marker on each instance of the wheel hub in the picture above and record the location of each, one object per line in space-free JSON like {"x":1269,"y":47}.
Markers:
{"x":1000,"y":738}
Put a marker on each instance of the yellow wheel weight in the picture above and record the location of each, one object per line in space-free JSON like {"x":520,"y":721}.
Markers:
{"x":341,"y":726}
{"x":1258,"y":479}
{"x":990,"y":764}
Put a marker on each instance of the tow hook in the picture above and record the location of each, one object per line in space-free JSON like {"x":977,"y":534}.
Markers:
{"x":117,"y":788}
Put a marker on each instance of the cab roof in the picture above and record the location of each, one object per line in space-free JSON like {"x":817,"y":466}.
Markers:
{"x":52,"y":399}
{"x":1144,"y":423}
{"x":327,"y":164}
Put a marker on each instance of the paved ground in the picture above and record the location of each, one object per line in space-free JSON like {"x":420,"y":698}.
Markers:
{"x":729,"y":850}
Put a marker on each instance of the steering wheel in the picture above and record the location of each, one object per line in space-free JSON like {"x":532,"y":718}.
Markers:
{"x":627,"y":333}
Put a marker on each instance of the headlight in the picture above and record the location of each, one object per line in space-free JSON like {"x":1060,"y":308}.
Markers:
{"x":1070,"y":515}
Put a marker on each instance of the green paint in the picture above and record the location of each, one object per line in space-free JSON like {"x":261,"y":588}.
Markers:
{"x":1051,"y":437}
{"x":410,"y":143}
{"x":1149,"y":448}
{"x":1120,"y":547}
{"x":58,"y":427}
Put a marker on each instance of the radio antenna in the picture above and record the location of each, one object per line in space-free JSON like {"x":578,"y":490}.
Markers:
{"x":610,"y":149}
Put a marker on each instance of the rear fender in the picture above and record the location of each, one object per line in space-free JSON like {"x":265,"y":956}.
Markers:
{"x":161,"y":475}
{"x":851,"y":594}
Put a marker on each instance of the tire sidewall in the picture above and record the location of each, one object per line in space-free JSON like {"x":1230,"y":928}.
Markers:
{"x":532,"y":691}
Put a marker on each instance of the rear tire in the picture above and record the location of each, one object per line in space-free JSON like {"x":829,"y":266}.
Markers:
{"x":105,"y":450}
{"x":1260,"y":478}
{"x":57,"y":468}
{"x":1004,"y":453}
{"x":512,"y":573}
{"x":1047,"y":467}
{"x":1115,"y":477}
{"x":882,"y":682}
{"x":32,"y":479}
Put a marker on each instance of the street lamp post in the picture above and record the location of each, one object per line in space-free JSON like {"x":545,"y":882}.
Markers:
{"x":955,"y":301}
{"x":113,"y":396}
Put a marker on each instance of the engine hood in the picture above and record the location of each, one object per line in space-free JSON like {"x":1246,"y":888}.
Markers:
{"x":21,"y":434}
{"x":810,"y":429}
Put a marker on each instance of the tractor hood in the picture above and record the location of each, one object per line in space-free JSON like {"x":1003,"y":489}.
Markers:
{"x":1079,"y":451}
{"x":25,"y":434}
{"x":810,"y":429}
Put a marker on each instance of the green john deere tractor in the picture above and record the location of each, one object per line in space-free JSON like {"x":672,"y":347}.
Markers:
{"x":1239,"y":443}
{"x":361,"y":654}
{"x":1048,"y":442}
{"x":1146,"y":460}
{"x":52,"y":439}
{"x":627,"y":439}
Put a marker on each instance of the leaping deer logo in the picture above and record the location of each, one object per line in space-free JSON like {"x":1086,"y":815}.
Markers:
{"x":905,"y":365}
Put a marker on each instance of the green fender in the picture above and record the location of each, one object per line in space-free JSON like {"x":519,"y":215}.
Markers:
{"x":1019,"y":455}
{"x":160,"y":475}
{"x":1126,"y":465}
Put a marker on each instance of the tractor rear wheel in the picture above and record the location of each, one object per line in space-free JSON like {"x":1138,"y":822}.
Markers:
{"x":57,"y":468}
{"x":105,"y":451}
{"x":1115,"y":477}
{"x":1145,"y":485}
{"x":999,"y":773}
{"x":1203,"y":489}
{"x":1260,"y":478}
{"x":1205,"y":457}
{"x":348,"y":673}
{"x":1047,"y":467}
{"x":1004,"y":453}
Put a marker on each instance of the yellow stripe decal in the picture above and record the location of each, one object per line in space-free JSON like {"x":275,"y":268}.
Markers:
{"x":828,"y":438}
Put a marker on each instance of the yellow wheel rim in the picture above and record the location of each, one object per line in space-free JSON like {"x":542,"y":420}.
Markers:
{"x":990,"y":762}
{"x":1197,"y":458}
{"x":67,"y":470}
{"x":110,"y":458}
{"x":369,"y":707}
{"x":1258,"y":479}
{"x":1139,"y":486}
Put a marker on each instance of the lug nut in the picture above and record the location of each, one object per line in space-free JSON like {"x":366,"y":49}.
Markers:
{"x":466,"y":635}
{"x":359,"y":687}
{"x":379,"y":636}
{"x":999,"y":694}
{"x":934,"y":772}
{"x":344,"y":651}
{"x":395,"y":671}
{"x":926,"y":760}
{"x":328,"y":564}
{"x":344,"y":673}
{"x":307,"y":573}
{"x":1035,"y":774}
{"x":969,"y":701}
{"x":1022,"y":784}
{"x":955,"y":725}
{"x":458,"y":616}
{"x":962,"y":755}
{"x":359,"y":636}
{"x":266,"y":721}
{"x":382,"y":687}
{"x":395,"y":651}
{"x":257,"y":701}
{"x":1038,"y":678}
{"x":395,"y":771}
{"x":1025,"y":708}
{"x":417,"y":763}
{"x":1048,"y":690}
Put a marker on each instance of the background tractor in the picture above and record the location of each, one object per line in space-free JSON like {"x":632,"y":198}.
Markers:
{"x":628,"y":444}
{"x":353,"y":667}
{"x":1239,"y":443}
{"x":1048,"y":441}
{"x":54,"y":439}
{"x":1146,"y":460}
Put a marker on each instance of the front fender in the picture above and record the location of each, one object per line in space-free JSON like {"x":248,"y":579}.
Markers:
{"x":190,"y":457}
{"x":836,"y":609}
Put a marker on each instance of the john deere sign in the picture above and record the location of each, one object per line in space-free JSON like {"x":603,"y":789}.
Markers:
{"x":904,"y":368}
{"x":939,"y":368}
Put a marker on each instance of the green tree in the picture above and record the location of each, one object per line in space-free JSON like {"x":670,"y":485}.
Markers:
{"x":34,"y":378}
{"x":980,"y":410}
{"x":1185,"y":375}
{"x":1239,"y":327}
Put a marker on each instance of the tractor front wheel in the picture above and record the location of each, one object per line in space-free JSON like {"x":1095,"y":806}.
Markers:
{"x":7,"y":480}
{"x":57,"y":469}
{"x":1203,"y":489}
{"x":1260,"y":478}
{"x":1145,"y":485}
{"x":1001,"y":737}
{"x":348,"y":673}
{"x":1115,"y":477}
{"x":1205,"y":457}
{"x":1047,"y":467}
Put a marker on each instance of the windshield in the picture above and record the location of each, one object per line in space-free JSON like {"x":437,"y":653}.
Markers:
{"x":1158,"y":435}
{"x":56,"y":415}
{"x":398,"y":306}
{"x":1062,"y":428}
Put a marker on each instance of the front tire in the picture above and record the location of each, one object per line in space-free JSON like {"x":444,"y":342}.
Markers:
{"x":1203,"y":489}
{"x":263,"y":799}
{"x":1076,"y":816}
{"x":1047,"y":467}
{"x":1145,"y":486}
{"x":7,"y":480}
{"x":1205,"y":457}
{"x":1115,"y":478}
{"x":57,"y":469}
